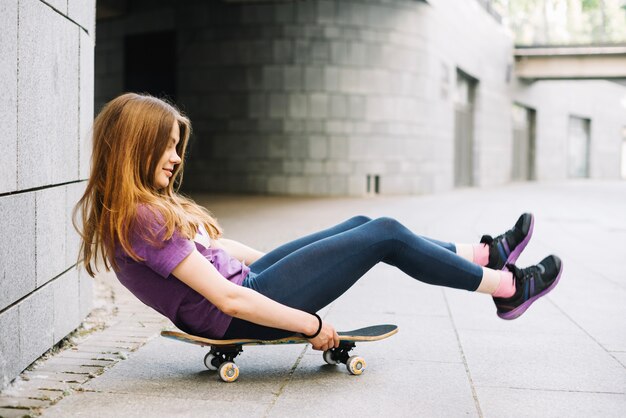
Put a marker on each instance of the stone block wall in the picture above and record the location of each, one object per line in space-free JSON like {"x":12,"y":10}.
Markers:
{"x":311,"y":97}
{"x":46,"y":97}
{"x":602,"y":102}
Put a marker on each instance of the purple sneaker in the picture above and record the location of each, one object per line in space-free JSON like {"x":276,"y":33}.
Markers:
{"x":531,"y":283}
{"x":506,"y":248}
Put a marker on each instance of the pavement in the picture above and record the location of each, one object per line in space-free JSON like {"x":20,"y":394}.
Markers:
{"x":566,"y":356}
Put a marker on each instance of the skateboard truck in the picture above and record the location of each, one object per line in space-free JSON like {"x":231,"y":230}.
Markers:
{"x":223,"y":360}
{"x":355,"y":364}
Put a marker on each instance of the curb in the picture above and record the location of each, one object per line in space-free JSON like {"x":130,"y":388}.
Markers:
{"x":117,"y":325}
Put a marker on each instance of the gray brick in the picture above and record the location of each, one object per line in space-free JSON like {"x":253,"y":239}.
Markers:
{"x":339,"y":52}
{"x":50,"y":232}
{"x":277,"y":184}
{"x":283,"y":51}
{"x":331,"y":78}
{"x":314,"y":126}
{"x":85,"y":291}
{"x":318,"y":147}
{"x":338,"y":185}
{"x":8,"y":94}
{"x":293,"y":78}
{"x":320,"y":51}
{"x":258,"y":52}
{"x":357,"y":107}
{"x":257,"y":105}
{"x":36,"y":325}
{"x":331,"y":32}
{"x":297,"y":185}
{"x":338,"y":106}
{"x":357,"y":54}
{"x":337,"y":167}
{"x":374,"y":55}
{"x":66,"y":305}
{"x":292,"y":166}
{"x":301,"y":50}
{"x":350,"y":80}
{"x":326,"y":11}
{"x":9,"y":346}
{"x":86,"y":99}
{"x":298,"y":106}
{"x":84,"y":13}
{"x":278,"y":105}
{"x":73,"y":193}
{"x":338,"y":127}
{"x":318,"y":185}
{"x":272,"y":78}
{"x":313,"y":167}
{"x":306,"y":12}
{"x":294,"y":126}
{"x":17,"y":269}
{"x":284,"y":13}
{"x":277,"y":147}
{"x":256,"y":14}
{"x":356,"y":185}
{"x":313,"y":78}
{"x":338,"y":147}
{"x":318,"y":105}
{"x":48,"y":101}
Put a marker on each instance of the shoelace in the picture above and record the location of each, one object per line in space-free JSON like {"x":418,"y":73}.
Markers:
{"x":486,"y":239}
{"x":522,"y":275}
{"x":517,"y":272}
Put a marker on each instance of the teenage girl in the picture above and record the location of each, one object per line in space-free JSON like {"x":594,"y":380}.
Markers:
{"x":172,"y":255}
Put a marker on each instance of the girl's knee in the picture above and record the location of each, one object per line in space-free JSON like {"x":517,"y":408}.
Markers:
{"x":387,"y":223}
{"x":359,"y":219}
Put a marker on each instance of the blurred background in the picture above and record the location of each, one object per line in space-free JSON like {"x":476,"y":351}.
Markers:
{"x":378,"y":96}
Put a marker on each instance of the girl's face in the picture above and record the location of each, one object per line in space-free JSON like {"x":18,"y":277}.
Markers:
{"x":169,"y":159}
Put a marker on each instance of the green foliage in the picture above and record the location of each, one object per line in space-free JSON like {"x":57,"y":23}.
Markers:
{"x":590,"y":4}
{"x":565,"y":21}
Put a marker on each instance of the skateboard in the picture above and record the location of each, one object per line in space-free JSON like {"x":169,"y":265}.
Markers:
{"x":221,"y":356}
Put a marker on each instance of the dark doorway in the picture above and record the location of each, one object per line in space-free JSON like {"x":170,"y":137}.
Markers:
{"x":150,"y":64}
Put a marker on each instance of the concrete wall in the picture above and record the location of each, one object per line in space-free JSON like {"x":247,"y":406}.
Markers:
{"x":310,"y":97}
{"x":462,"y":35}
{"x":46,"y":97}
{"x":603,"y":102}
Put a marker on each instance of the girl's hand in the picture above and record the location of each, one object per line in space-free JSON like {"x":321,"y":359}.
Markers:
{"x":327,"y":338}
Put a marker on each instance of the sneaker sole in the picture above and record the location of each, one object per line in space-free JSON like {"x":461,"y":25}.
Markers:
{"x":518,"y":250}
{"x":522,"y":308}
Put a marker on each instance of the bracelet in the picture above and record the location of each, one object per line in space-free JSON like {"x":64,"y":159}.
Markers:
{"x":319,"y":329}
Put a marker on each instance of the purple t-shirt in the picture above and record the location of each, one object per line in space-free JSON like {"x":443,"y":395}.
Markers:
{"x":152,"y":282}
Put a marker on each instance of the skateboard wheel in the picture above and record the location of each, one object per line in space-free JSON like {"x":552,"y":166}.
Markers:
{"x":229,"y":372}
{"x":356,"y":365}
{"x":328,"y":357}
{"x":209,"y":359}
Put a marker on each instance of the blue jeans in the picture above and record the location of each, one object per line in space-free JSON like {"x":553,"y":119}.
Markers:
{"x":311,"y":272}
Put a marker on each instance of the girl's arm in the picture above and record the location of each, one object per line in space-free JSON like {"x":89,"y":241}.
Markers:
{"x":238,"y":250}
{"x":199,"y":274}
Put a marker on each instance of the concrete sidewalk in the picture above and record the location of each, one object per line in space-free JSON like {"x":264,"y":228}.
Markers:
{"x":452,"y":357}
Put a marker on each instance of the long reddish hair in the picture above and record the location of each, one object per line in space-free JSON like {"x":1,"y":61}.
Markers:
{"x":130,"y":135}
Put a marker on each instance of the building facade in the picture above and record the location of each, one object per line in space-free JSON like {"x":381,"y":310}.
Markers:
{"x":332,"y":97}
{"x":579,"y":127}
{"x":46,"y":99}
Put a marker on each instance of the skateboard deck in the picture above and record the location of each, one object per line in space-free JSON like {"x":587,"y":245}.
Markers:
{"x":223,"y":352}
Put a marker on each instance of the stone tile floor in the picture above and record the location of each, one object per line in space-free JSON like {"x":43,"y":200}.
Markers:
{"x":565,"y":357}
